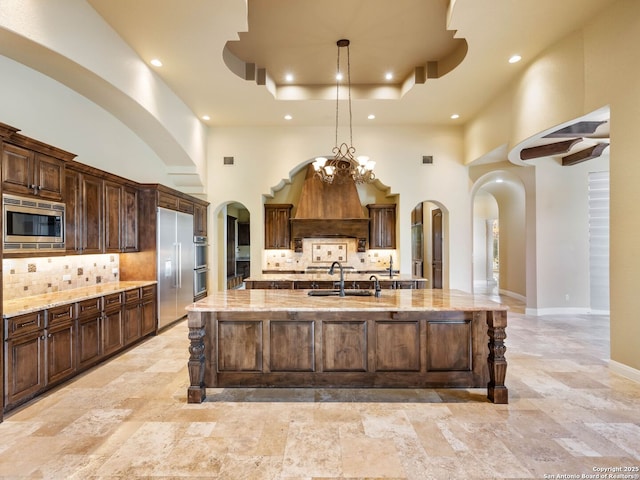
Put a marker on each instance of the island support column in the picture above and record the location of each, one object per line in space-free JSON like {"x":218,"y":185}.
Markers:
{"x":196,"y":392}
{"x":496,"y":390}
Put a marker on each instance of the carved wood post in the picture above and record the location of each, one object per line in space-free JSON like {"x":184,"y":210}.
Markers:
{"x":196,"y":392}
{"x":496,"y":390}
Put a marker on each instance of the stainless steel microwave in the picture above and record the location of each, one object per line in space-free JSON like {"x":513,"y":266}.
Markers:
{"x":32,"y":224}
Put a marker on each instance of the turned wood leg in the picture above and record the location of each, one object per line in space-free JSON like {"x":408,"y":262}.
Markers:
{"x":196,"y":392}
{"x":496,"y":390}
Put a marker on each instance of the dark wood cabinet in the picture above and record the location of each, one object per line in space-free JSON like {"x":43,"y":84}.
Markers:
{"x":25,"y":357}
{"x":89,"y":313}
{"x":244,"y":234}
{"x":149,"y":322}
{"x":277,"y":228}
{"x":199,"y":219}
{"x":60,"y":344}
{"x":112,"y":324}
{"x":120,"y":217}
{"x":382,"y":226}
{"x":25,"y":172}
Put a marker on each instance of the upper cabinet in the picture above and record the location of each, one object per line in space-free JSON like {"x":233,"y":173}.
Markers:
{"x":120,"y":217}
{"x":277,"y":228}
{"x":382,"y":226}
{"x":29,"y":172}
{"x":200,"y":219}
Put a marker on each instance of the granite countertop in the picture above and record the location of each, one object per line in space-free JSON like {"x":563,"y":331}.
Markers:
{"x":19,"y":306}
{"x":349,"y":276}
{"x":300,"y":301}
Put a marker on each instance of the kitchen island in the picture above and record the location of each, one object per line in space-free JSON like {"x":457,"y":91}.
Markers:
{"x":322,"y":280}
{"x":420,"y":338}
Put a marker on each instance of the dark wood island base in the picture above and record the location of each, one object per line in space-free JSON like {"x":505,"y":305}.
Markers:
{"x":404,"y":339}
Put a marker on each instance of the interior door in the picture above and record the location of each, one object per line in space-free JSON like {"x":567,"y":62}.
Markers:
{"x":436,"y":228}
{"x":231,"y":246}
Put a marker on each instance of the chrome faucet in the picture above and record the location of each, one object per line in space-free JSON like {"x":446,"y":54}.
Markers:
{"x":377,"y":285}
{"x":341,"y":276}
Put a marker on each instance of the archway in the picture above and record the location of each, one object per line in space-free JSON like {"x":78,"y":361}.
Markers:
{"x":499,"y":240}
{"x":430,"y":243}
{"x":232,"y":255}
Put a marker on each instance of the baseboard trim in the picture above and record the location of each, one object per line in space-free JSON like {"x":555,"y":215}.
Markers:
{"x":515,"y":295}
{"x":624,"y":370}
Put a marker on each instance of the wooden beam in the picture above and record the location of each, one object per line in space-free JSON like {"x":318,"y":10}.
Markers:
{"x":548,"y":150}
{"x":576,"y":129}
{"x":584,"y":155}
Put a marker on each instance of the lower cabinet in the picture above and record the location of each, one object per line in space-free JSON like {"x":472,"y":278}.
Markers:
{"x":47,"y":347}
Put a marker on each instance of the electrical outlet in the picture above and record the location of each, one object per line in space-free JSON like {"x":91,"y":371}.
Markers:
{"x":66,"y":278}
{"x":566,"y":297}
{"x":114,"y":271}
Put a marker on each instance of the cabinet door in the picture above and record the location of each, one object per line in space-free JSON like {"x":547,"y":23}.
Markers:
{"x":49,"y":177}
{"x":148,"y":307}
{"x":112,"y":331}
{"x":25,"y":371}
{"x":129,"y":220}
{"x":112,"y":211}
{"x":89,"y":340}
{"x":382,"y":226}
{"x":17,"y":169}
{"x":73,"y":212}
{"x":61,"y":346}
{"x":132,"y":323}
{"x":92,"y":214}
{"x":277,"y":228}
{"x":199,"y":220}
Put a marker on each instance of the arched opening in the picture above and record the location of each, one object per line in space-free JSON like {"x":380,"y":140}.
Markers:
{"x":429,"y":243}
{"x":499,"y":240}
{"x":234,"y":241}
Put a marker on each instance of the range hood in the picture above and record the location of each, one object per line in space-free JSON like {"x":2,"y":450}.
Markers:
{"x":329,"y":210}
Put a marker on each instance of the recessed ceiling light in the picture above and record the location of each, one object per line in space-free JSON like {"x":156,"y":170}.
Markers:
{"x":388,"y":76}
{"x":206,"y":117}
{"x":156,"y":62}
{"x":339,"y":76}
{"x":515,"y":59}
{"x":499,"y":180}
{"x":288,"y":117}
{"x":454,"y":116}
{"x":371,"y":116}
{"x":288,"y":77}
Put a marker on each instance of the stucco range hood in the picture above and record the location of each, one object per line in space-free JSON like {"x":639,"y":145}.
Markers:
{"x":328,"y":210}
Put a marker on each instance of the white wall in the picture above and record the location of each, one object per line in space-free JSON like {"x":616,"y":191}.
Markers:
{"x":265,"y":156}
{"x":48,"y":111}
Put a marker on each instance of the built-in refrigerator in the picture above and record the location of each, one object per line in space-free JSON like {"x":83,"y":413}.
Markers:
{"x":176,"y":262}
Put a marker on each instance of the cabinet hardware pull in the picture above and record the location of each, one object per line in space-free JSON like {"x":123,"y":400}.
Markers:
{"x":26,"y":324}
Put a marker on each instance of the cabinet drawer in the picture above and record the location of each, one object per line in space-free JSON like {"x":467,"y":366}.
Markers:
{"x":60,"y":314}
{"x":149,"y":291}
{"x":89,"y":307}
{"x":132,"y":295}
{"x":23,"y":324}
{"x":113,"y":301}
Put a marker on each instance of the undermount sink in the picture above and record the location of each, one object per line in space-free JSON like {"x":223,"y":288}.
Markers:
{"x":336,"y":293}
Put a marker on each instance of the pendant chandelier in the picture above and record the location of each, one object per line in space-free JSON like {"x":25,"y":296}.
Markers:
{"x":344,"y":166}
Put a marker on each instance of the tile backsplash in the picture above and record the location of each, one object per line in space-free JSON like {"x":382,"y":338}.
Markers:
{"x":24,"y":277}
{"x":321,"y":252}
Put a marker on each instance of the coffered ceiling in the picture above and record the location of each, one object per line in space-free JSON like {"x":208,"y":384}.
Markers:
{"x":460,"y":47}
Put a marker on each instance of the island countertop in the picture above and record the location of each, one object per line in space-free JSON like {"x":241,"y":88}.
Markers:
{"x":19,"y":306}
{"x":300,"y":301}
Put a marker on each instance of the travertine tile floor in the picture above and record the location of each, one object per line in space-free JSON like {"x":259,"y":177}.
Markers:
{"x":568,"y":415}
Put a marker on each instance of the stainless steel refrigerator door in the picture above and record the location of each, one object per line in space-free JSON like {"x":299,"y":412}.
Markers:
{"x":167,"y":267}
{"x":186,"y":250}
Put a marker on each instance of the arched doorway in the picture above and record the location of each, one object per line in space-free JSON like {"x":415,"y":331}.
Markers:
{"x":429,"y":245}
{"x":233,"y":240}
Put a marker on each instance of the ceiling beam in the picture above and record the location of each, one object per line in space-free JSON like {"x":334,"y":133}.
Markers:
{"x":548,"y":150}
{"x":576,"y":129}
{"x":584,"y":155}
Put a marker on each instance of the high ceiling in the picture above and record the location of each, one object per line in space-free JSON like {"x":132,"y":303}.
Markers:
{"x":209,"y":48}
